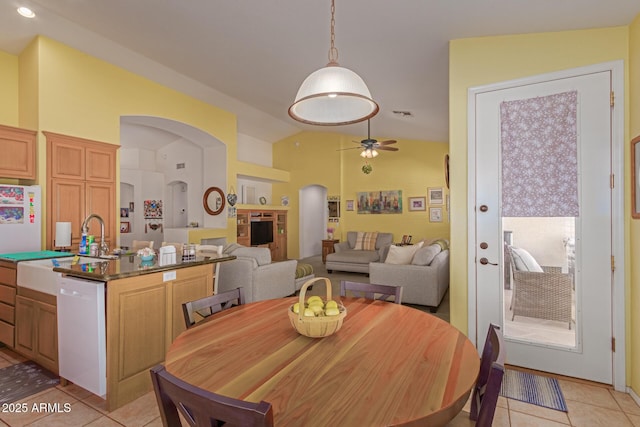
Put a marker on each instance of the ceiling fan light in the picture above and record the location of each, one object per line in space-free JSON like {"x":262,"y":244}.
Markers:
{"x":332,"y":96}
{"x":369,"y":153}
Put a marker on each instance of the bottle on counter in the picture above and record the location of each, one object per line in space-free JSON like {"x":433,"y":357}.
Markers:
{"x":83,"y":249}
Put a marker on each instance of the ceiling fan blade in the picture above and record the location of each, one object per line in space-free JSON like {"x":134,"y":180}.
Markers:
{"x":352,"y":148}
{"x":388,"y":142}
{"x":387,"y":148}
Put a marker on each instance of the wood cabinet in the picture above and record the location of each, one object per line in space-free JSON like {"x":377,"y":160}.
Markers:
{"x":82,"y":181}
{"x":244,"y":228}
{"x":144,"y":316}
{"x":7,"y":302}
{"x":278,"y":219}
{"x":36,"y":328}
{"x":18,"y":148}
{"x":280,"y":236}
{"x":327,"y":248}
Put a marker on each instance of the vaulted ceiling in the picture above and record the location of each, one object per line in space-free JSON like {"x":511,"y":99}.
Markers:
{"x":249,"y":57}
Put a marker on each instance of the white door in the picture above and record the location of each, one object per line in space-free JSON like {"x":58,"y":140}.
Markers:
{"x":579,"y":247}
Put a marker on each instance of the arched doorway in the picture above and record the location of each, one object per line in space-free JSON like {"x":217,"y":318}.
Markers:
{"x":313,"y":219}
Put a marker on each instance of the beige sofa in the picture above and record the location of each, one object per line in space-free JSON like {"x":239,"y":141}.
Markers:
{"x":253,"y":270}
{"x":349,"y":258}
{"x":425,"y":279}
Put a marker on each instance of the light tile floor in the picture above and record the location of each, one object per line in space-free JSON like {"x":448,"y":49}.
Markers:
{"x":589,"y":405}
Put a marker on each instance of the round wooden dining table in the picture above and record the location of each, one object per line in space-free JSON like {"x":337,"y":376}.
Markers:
{"x":389,"y":364}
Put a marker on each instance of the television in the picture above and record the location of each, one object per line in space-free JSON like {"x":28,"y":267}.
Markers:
{"x":261,"y":232}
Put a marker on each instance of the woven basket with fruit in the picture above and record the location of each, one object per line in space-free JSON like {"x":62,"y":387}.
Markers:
{"x":314,"y":317}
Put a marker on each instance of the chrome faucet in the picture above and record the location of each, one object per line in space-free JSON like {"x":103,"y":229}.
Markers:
{"x":104,"y":248}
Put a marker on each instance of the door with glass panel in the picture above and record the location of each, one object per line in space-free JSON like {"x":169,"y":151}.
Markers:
{"x":543,"y":223}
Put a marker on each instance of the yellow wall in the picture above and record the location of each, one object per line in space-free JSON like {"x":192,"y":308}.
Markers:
{"x":481,"y":61}
{"x":634,"y":244}
{"x":8,"y":89}
{"x":312,"y":158}
{"x":66,"y":91}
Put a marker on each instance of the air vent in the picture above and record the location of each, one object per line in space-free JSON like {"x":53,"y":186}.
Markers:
{"x":180,"y":166}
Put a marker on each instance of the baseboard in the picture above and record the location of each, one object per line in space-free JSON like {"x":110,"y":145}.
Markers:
{"x":633,"y":395}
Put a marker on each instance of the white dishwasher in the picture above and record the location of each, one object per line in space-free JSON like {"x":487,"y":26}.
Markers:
{"x":82,"y":334}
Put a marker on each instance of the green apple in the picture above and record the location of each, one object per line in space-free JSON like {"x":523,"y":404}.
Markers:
{"x":296,"y":308}
{"x":331,"y":304}
{"x":308,"y":313}
{"x":314,"y":298}
{"x":332,"y":311}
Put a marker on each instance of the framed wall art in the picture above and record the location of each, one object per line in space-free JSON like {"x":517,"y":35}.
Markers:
{"x":349,"y":205}
{"x":436,"y":196}
{"x":435,"y":214}
{"x":380,"y":202}
{"x":125,"y":227}
{"x":417,"y":203}
{"x":635,"y":176}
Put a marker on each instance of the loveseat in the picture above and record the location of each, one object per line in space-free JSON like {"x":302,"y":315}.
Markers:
{"x":253,"y":270}
{"x":424,"y":275}
{"x":360,"y":249}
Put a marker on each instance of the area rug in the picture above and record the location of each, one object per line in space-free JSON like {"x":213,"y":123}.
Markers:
{"x":24,"y":379}
{"x":534,"y":389}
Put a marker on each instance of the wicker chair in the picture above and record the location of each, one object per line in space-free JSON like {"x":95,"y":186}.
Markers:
{"x":546,"y":295}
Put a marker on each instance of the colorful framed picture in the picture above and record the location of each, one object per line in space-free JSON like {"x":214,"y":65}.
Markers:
{"x":417,"y":203}
{"x":380,"y":202}
{"x":125,"y":227}
{"x":436,"y":196}
{"x":124,"y":213}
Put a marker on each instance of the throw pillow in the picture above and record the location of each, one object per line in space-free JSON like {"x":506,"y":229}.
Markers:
{"x":444,"y":243}
{"x":425,"y":255}
{"x":401,"y":255}
{"x":524,"y":261}
{"x":366,"y":241}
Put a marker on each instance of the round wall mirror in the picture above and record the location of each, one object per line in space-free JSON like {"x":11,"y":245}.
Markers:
{"x":213,"y":200}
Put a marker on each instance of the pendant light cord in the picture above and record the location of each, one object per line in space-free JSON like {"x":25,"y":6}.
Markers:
{"x":333,"y":50}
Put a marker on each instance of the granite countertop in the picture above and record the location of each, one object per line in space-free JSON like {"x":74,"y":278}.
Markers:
{"x":104,"y":270}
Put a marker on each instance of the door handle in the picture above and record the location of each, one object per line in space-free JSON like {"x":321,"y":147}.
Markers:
{"x":485,"y":261}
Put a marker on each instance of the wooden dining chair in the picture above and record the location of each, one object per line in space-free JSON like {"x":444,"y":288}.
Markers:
{"x":207,"y":306}
{"x":141,"y":244}
{"x":208,"y":251}
{"x":485,"y":392}
{"x":201,"y":407}
{"x":369,"y":291}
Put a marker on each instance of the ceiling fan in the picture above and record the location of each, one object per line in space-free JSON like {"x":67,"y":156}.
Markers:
{"x":370,"y":146}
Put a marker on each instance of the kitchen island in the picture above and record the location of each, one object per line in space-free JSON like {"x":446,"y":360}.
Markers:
{"x":143,"y":315}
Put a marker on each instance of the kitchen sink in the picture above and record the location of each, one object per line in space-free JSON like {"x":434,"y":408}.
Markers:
{"x":39,"y":274}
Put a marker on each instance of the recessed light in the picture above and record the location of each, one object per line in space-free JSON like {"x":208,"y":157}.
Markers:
{"x":26,"y":12}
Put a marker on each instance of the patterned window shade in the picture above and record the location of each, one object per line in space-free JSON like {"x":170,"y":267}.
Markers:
{"x":540,"y":156}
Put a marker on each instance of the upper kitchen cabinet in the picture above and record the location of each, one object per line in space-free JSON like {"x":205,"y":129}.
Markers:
{"x":76,"y":158}
{"x":81,"y":177}
{"x":18,"y":148}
